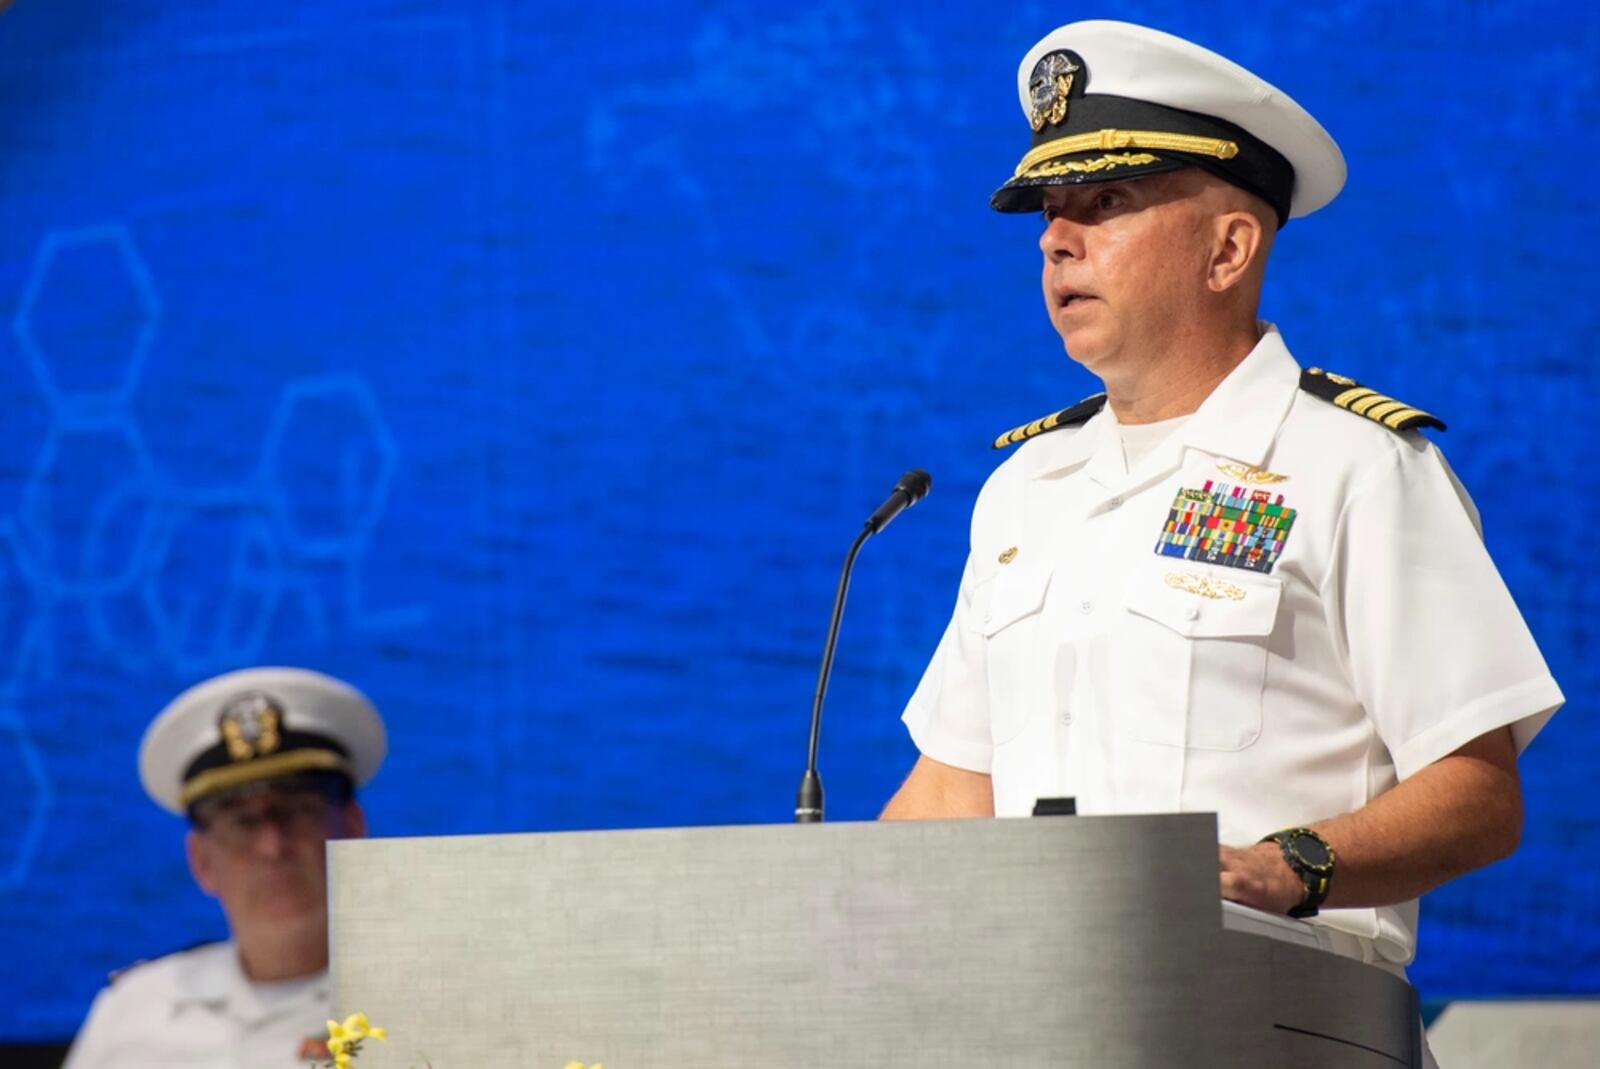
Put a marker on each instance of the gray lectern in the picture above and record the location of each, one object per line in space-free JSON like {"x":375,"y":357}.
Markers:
{"x":1062,"y":941}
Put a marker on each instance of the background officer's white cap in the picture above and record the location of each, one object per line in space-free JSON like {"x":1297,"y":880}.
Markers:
{"x":1111,"y":100}
{"x":259,"y":724}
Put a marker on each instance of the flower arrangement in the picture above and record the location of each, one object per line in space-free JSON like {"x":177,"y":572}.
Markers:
{"x":344,"y":1040}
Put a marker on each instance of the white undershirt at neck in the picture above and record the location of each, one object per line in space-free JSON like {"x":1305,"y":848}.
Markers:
{"x":1139,"y":440}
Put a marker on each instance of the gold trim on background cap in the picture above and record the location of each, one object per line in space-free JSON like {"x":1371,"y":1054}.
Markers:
{"x":1110,"y":139}
{"x":280,"y":764}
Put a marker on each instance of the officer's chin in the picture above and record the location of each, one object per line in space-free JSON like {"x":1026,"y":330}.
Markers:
{"x":288,"y":913}
{"x":1086,"y":347}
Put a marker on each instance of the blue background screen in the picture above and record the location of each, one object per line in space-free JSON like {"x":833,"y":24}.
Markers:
{"x":531,"y":366}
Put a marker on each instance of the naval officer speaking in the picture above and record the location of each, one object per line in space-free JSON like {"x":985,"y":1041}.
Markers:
{"x":1230,"y":582}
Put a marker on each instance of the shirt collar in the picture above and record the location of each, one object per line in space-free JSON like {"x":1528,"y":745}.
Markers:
{"x":1238,"y":420}
{"x":209,"y":975}
{"x":215,"y":978}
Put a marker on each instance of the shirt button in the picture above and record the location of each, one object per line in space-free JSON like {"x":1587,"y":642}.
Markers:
{"x":1115,"y":502}
{"x":1086,"y":607}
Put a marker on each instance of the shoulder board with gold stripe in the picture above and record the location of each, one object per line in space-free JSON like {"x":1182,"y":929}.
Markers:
{"x":1067,"y":417}
{"x":117,"y":974}
{"x":1365,"y":401}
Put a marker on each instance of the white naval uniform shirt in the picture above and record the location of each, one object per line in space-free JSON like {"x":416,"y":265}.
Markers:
{"x":196,"y":1008}
{"x":1082,"y":662}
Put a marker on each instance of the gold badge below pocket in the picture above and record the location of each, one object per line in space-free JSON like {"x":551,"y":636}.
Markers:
{"x":1215,"y":589}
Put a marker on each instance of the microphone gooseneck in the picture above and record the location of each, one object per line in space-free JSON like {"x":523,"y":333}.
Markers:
{"x":912,"y":487}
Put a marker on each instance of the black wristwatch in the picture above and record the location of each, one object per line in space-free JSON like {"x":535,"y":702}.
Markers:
{"x":1312,"y":858}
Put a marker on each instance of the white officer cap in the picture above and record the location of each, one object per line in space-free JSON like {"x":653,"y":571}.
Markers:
{"x":1109,"y":100}
{"x":254,"y":725}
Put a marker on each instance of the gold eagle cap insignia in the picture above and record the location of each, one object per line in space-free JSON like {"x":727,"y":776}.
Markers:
{"x":251,"y":726}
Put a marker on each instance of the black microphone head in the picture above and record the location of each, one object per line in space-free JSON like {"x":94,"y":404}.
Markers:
{"x":915,"y":484}
{"x":912,"y":487}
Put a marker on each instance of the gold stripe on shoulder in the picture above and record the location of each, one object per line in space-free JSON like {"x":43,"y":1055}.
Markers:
{"x":1070,"y":416}
{"x":1379,"y":412}
{"x":1407,"y":418}
{"x":1352,"y":395}
{"x":1363,"y":406}
{"x":1364,"y":401}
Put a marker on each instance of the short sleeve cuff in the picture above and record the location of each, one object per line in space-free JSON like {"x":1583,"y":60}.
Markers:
{"x":1510,"y":706}
{"x":947,"y":748}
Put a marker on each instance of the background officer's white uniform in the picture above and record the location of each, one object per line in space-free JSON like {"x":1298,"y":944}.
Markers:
{"x":1083,"y":661}
{"x":196,"y":1009}
{"x":241,"y":731}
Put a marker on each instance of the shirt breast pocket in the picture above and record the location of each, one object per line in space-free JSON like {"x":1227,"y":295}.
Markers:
{"x":1012,"y":640}
{"x":1187,"y":660}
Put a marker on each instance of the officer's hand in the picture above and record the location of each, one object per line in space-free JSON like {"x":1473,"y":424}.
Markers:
{"x":1258,"y":876}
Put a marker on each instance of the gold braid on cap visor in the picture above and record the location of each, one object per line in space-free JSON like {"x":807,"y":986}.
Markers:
{"x":1106,"y":140}
{"x":279,"y":764}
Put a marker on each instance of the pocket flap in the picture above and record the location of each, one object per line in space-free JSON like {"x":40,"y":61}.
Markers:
{"x":1205,"y":604}
{"x":1017,"y":591}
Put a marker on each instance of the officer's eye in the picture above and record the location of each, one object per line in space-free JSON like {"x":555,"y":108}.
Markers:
{"x":1108,"y":200}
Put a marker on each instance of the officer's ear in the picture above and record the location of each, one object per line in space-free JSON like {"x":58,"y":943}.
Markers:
{"x":202,"y":865}
{"x":353,"y":821}
{"x":1239,"y":244}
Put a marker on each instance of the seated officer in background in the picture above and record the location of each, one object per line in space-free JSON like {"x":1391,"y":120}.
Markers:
{"x":264,"y":763}
{"x":1227,"y":583}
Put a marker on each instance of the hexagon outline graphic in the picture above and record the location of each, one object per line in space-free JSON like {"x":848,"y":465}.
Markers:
{"x":363,"y":516}
{"x":34,"y":513}
{"x":13,"y":874}
{"x":55,"y":242}
{"x":33,"y":633}
{"x":175,"y":626}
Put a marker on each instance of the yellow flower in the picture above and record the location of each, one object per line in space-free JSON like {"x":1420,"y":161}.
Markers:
{"x":344,"y":1039}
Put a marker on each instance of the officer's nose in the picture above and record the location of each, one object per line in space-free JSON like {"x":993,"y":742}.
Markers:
{"x":271,"y":839}
{"x":1062,"y":238}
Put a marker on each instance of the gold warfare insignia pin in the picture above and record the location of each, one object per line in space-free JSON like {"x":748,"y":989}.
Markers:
{"x":1205,"y":587}
{"x":251,"y":726}
{"x":1007,"y":555}
{"x":1246,"y":474}
{"x":1048,"y":87}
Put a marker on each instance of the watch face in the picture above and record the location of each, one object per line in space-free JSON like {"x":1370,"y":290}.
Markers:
{"x":1313,"y":851}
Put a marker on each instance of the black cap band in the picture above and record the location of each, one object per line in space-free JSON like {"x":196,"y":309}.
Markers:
{"x":298,"y":752}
